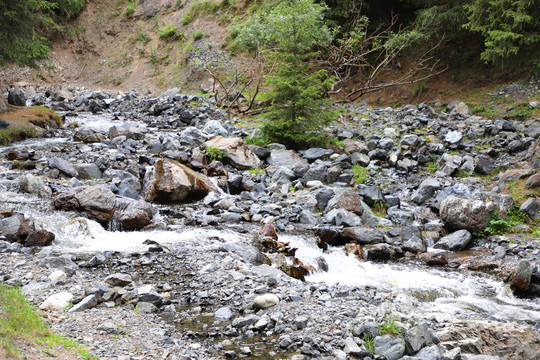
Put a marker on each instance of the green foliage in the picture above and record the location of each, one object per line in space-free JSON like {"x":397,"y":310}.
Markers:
{"x":23,"y":23}
{"x":369,"y":344}
{"x":496,"y":225}
{"x":257,"y":171}
{"x":361,"y":174}
{"x":505,"y":25}
{"x":390,"y":326}
{"x":167,"y":32}
{"x":142,"y":37}
{"x":19,"y":320}
{"x":214,"y":153}
{"x":299,"y":110}
{"x":197,"y":34}
{"x":130,"y":8}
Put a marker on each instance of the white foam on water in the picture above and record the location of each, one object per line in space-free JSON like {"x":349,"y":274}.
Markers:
{"x":450,"y":292}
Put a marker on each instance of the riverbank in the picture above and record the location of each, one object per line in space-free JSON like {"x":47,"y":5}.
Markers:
{"x":163,"y":192}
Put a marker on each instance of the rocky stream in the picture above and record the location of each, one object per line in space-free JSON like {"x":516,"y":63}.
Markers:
{"x":146,"y":228}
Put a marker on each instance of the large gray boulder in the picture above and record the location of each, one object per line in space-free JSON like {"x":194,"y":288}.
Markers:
{"x":169,"y":181}
{"x":16,"y":97}
{"x":471,"y":213}
{"x":455,"y":241}
{"x":236,"y":152}
{"x":16,"y":227}
{"x":98,"y":202}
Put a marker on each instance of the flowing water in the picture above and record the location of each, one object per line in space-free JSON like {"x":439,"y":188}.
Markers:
{"x":460,"y":294}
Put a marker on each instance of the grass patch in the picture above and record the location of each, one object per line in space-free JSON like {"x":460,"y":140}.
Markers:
{"x":168,"y":32}
{"x":361,"y":174}
{"x":19,"y":321}
{"x":25,"y":122}
{"x":130,"y":8}
{"x":390,"y":326}
{"x":197,"y":34}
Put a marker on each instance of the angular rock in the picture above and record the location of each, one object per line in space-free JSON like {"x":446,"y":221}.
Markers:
{"x":98,"y":202}
{"x":224,"y":313}
{"x":342,"y":217}
{"x":289,"y":159}
{"x":170,"y":181}
{"x":129,"y":131}
{"x":392,"y":347}
{"x":88,"y":172}
{"x":16,"y":228}
{"x":35,"y":185}
{"x":133,"y":214}
{"x":346,"y":200}
{"x":40,"y":238}
{"x":425,"y":191}
{"x":63,"y":166}
{"x":88,"y":302}
{"x":236,"y":152}
{"x":455,"y":241}
{"x":16,"y":97}
{"x":119,"y":279}
{"x":531,"y":207}
{"x":522,"y":275}
{"x":533,"y":182}
{"x":363,"y":236}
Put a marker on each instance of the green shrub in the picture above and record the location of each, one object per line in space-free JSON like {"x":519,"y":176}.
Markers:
{"x":390,"y":326}
{"x":214,"y":153}
{"x":130,"y":8}
{"x":496,"y":225}
{"x":167,"y":32}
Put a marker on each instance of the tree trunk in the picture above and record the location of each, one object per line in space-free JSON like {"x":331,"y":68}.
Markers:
{"x":3,"y":103}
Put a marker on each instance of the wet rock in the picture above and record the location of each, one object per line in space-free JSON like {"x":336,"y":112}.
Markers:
{"x":436,"y":260}
{"x":522,"y":276}
{"x":382,"y":252}
{"x":170,"y":181}
{"x":425,"y":191}
{"x":371,"y":195}
{"x":392,"y":347}
{"x":265,"y":301}
{"x":16,"y":228}
{"x":133,"y":214}
{"x":313,"y":154}
{"x":400,"y":217}
{"x":40,"y":238}
{"x":57,"y":302}
{"x":269,"y":230}
{"x":531,"y":207}
{"x":35,"y":185}
{"x":455,"y":241}
{"x":362,"y":235}
{"x":63,"y":166}
{"x":236,"y":152}
{"x":98,"y":202}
